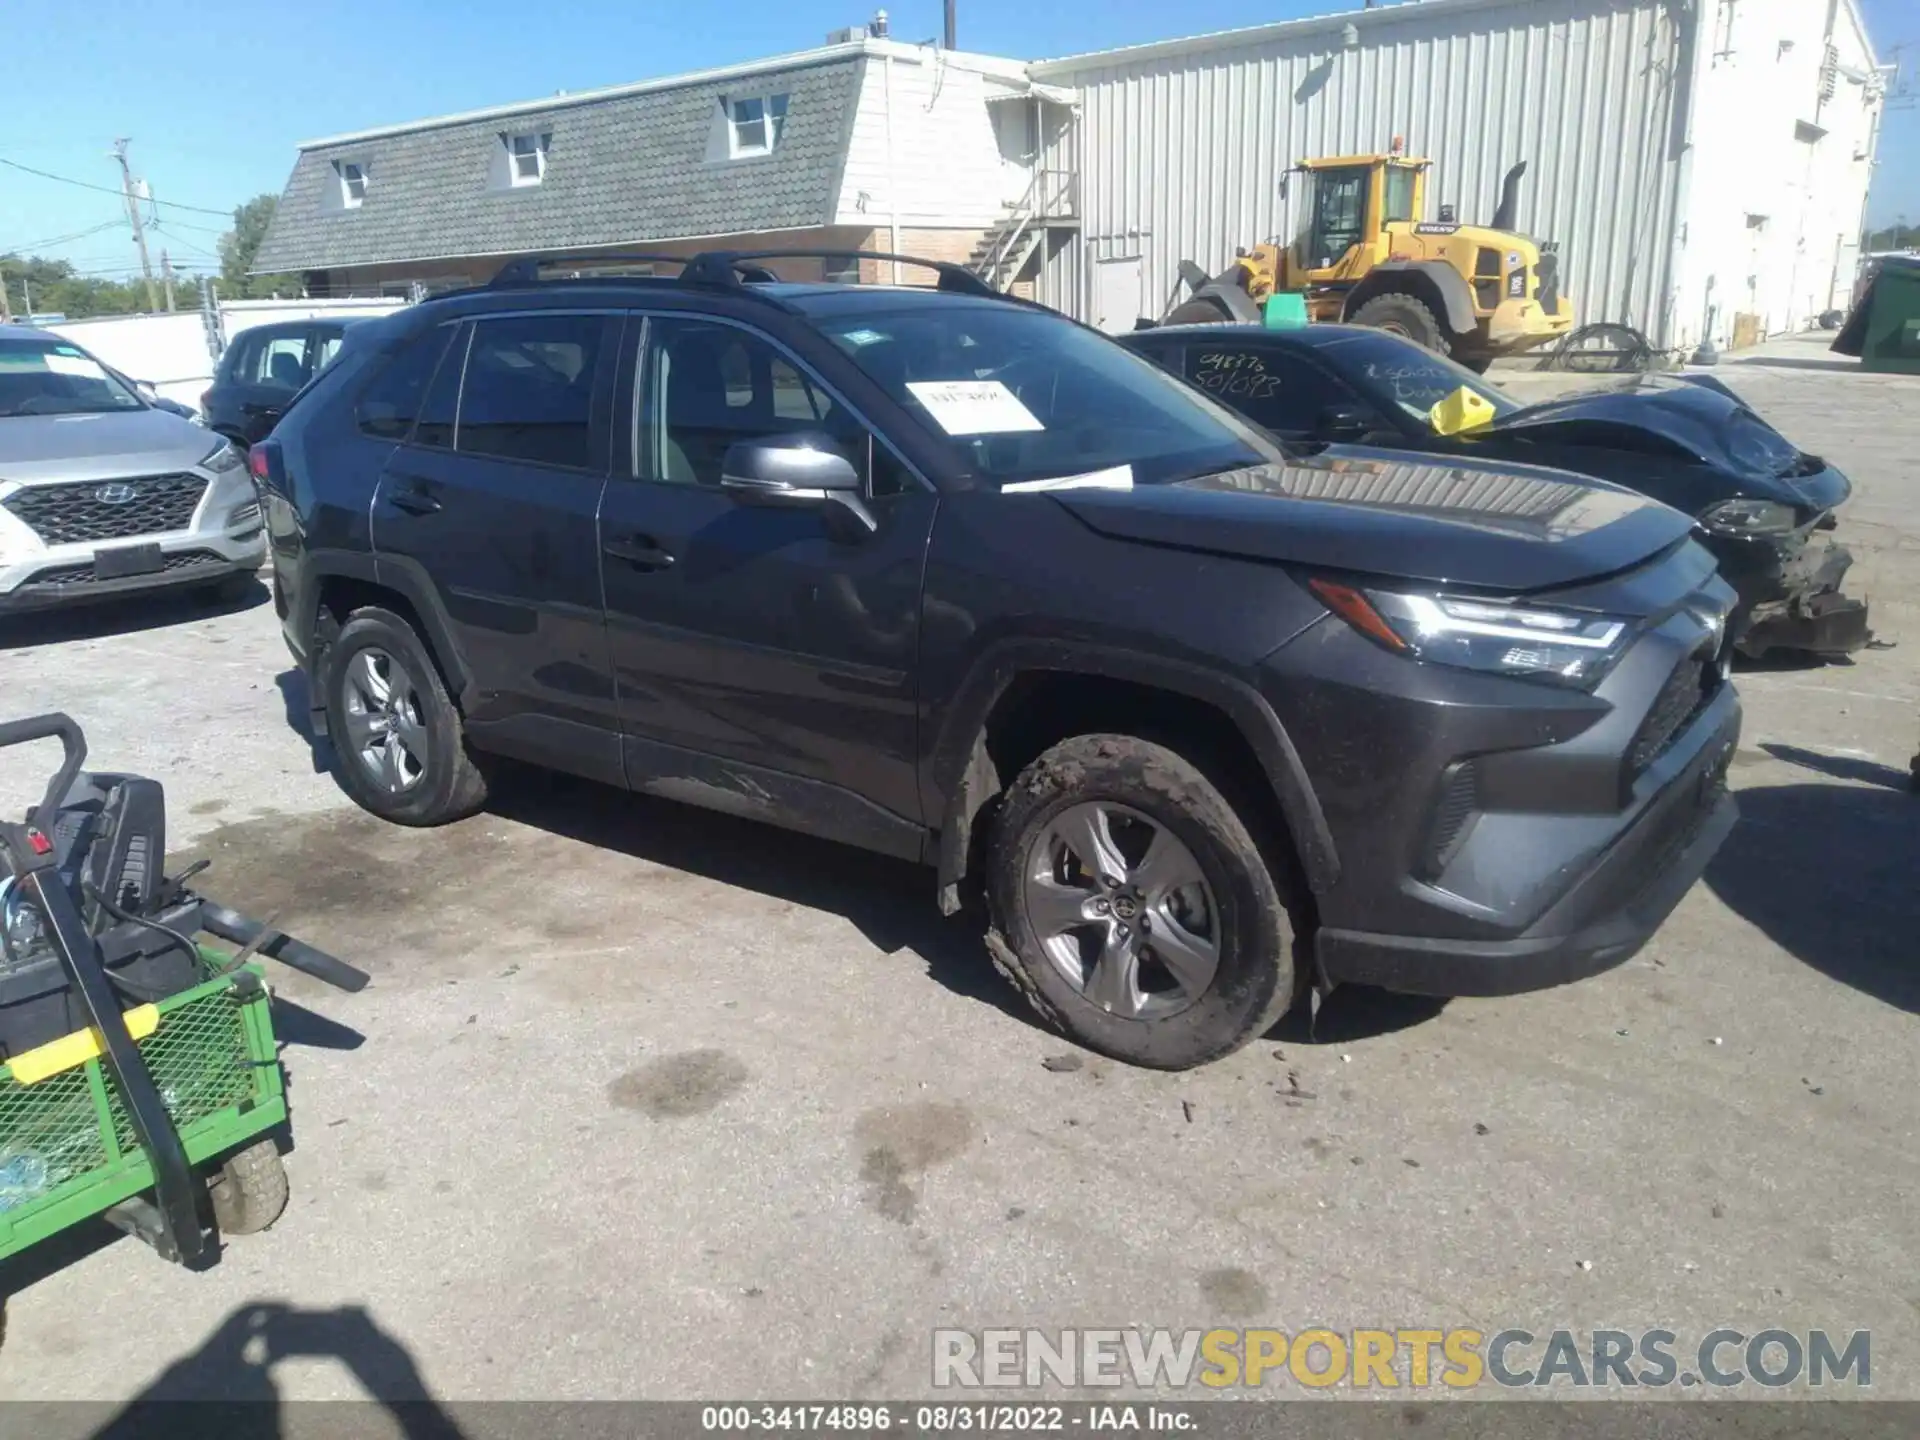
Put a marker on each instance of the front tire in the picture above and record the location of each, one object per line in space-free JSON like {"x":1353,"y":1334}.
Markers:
{"x":401,"y":746}
{"x":1403,"y":315}
{"x":249,"y":1192}
{"x":1133,"y":907}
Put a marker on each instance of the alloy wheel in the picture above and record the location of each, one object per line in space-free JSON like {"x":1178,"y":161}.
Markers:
{"x":386,"y":721}
{"x":1122,"y":909}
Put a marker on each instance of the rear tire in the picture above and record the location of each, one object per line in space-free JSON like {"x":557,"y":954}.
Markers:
{"x":1168,"y":1014}
{"x":249,"y":1192}
{"x":400,"y":743}
{"x":1405,"y":316}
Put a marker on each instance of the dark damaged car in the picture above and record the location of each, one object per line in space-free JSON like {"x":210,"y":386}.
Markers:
{"x":944,"y":575}
{"x":1766,"y":509}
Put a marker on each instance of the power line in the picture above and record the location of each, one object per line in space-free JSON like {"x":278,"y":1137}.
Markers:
{"x":64,"y":239}
{"x":178,"y":238}
{"x":109,"y":190}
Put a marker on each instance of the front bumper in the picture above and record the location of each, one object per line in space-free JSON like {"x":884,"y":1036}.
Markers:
{"x":37,"y":576}
{"x":1790,"y":599}
{"x":1600,"y":922}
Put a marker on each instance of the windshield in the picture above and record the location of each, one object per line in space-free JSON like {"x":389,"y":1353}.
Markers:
{"x":47,"y":376}
{"x":1410,"y":377}
{"x":1414,"y":379}
{"x":1023,"y":396}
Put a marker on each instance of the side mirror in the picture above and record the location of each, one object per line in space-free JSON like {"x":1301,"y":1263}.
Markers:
{"x":794,"y":472}
{"x":1345,"y":422}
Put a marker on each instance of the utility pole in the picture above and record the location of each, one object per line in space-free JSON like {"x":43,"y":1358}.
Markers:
{"x":133,"y":214}
{"x":166,"y":273}
{"x":952,"y":26}
{"x":6,"y":310}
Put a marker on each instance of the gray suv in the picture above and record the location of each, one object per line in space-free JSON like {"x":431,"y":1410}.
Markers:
{"x":103,"y":494}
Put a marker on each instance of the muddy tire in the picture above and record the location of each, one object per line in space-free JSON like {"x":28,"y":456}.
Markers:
{"x":400,"y":743}
{"x":1134,"y":908}
{"x":1403,"y":315}
{"x":249,"y":1192}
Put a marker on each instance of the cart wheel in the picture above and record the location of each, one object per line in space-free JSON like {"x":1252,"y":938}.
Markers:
{"x":250,"y":1190}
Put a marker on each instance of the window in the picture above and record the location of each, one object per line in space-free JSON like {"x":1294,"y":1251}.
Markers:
{"x":710,"y":386}
{"x":1275,"y":390}
{"x":275,"y":362}
{"x":528,"y":391}
{"x":391,"y":403}
{"x":840,"y":271}
{"x":757,"y":122}
{"x":353,"y":182}
{"x":526,"y":159}
{"x":441,"y":408}
{"x":1085,"y":405}
{"x":1399,"y":194}
{"x":47,"y":376}
{"x":325,"y":347}
{"x":1339,"y":215}
{"x":1398,"y":372}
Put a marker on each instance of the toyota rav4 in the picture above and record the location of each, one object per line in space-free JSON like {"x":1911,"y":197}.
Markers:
{"x":943,"y":574}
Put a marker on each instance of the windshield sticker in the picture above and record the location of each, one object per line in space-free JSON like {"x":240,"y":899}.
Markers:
{"x":863,"y":337}
{"x":74,"y":363}
{"x":974,"y":407}
{"x":1223,"y":372}
{"x":1120,"y":477}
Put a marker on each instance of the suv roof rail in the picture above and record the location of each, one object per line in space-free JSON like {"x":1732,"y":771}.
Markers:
{"x":734,"y":268}
{"x":525,"y":269}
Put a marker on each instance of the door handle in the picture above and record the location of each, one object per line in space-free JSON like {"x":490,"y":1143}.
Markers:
{"x":415,"y":501}
{"x":642,"y":552}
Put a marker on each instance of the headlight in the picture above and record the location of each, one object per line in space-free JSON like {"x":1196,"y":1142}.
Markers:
{"x":223,"y":457}
{"x":1749,"y":517}
{"x":1557,"y":647}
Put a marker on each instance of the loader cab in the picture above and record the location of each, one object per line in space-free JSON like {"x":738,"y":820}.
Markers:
{"x":1347,"y":204}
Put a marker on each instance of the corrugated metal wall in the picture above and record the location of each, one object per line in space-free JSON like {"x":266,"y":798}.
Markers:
{"x":1182,"y":154}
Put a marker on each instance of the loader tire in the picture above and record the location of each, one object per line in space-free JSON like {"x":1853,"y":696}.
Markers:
{"x":1406,"y":316}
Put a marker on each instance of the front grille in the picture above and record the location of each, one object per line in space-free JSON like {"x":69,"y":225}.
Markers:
{"x":63,"y":575}
{"x":85,"y":511}
{"x":1686,"y":692}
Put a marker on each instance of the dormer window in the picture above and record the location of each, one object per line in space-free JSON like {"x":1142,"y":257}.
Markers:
{"x":755,"y":123}
{"x":526,"y":159}
{"x":353,"y":183}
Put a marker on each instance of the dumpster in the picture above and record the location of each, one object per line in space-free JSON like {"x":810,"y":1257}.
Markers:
{"x":1884,"y":329}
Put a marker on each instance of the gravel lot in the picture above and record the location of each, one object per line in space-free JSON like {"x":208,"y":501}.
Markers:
{"x":648,"y":1102}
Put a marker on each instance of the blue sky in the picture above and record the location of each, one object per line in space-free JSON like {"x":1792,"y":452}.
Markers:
{"x":216,"y":94}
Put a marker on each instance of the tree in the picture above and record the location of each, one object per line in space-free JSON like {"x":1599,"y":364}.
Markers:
{"x":238,"y":247}
{"x":1895,"y":237}
{"x":52,"y":287}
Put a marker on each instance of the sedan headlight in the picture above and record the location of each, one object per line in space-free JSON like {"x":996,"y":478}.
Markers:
{"x":223,"y":457}
{"x":1527,"y":642}
{"x":1749,"y":517}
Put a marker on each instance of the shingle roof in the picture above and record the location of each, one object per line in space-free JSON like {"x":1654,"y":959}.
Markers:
{"x":624,"y":168}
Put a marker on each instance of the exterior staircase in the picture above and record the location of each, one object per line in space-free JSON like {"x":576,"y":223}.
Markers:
{"x":1005,"y":248}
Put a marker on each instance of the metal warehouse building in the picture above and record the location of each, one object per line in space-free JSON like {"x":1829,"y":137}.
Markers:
{"x":1703,"y":164}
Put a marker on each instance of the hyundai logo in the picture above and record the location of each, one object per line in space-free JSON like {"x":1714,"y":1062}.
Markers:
{"x":117,"y":493}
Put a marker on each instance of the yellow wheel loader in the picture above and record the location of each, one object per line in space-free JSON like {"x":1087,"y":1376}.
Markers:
{"x":1365,"y":257}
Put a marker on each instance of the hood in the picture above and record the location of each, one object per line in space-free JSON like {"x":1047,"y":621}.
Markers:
{"x":1508,"y":528}
{"x":85,"y":447}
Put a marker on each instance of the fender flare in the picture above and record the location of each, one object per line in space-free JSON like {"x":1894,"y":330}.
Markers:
{"x":1455,"y":309}
{"x":404,"y":578}
{"x":964,"y":774}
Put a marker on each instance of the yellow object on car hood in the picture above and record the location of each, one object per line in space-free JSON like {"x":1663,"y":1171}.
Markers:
{"x":1462,"y":410}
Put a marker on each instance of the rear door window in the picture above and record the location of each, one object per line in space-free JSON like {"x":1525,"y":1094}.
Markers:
{"x":280,"y":363}
{"x":389,"y":406}
{"x":529,"y":388}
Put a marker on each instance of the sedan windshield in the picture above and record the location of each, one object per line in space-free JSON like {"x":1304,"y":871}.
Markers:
{"x":1404,"y":374}
{"x":47,"y":376}
{"x":1025,"y":397}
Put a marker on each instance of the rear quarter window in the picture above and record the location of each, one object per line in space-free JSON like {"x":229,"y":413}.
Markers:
{"x":392,"y":401}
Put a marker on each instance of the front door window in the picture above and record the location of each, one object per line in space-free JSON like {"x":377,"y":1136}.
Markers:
{"x":1339,"y":215}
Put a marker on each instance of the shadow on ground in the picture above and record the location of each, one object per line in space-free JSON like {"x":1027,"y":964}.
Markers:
{"x":1841,"y":767}
{"x":295,"y":696}
{"x":1827,"y":872}
{"x":101,"y":619}
{"x":1791,"y":362}
{"x":226,"y":1387}
{"x":889,"y":901}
